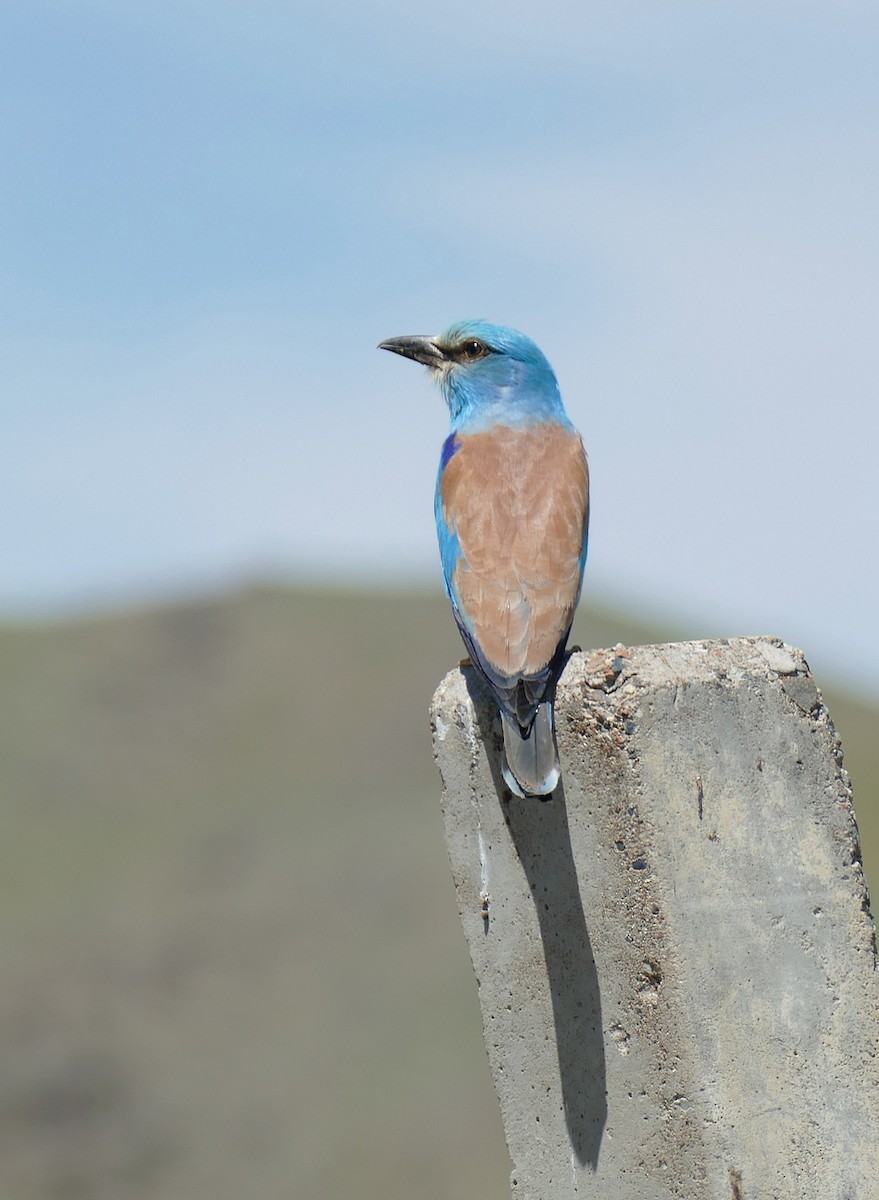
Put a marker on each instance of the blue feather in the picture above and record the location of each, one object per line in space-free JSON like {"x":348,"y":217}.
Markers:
{"x":450,"y":446}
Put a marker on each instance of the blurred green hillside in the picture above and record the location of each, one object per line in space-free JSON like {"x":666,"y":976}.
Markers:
{"x":232,"y":964}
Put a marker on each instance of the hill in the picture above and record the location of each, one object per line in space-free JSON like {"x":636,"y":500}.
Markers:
{"x":232,"y":960}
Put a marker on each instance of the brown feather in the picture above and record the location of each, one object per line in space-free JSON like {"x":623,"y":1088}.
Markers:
{"x":519,"y":502}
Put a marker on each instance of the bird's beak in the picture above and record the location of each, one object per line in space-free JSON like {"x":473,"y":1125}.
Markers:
{"x":420,"y":347}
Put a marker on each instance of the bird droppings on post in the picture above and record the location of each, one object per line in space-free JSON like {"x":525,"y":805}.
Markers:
{"x":619,"y":1037}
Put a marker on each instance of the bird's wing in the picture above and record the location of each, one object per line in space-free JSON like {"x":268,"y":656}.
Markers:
{"x":512,"y":509}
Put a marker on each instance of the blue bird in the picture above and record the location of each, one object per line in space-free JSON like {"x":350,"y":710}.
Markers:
{"x":512,"y":514}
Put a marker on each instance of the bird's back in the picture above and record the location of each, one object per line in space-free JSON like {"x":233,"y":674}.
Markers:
{"x":512,"y":513}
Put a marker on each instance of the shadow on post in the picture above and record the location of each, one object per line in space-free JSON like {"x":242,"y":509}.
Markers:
{"x":543,"y":843}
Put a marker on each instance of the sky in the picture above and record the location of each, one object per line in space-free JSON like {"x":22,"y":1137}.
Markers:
{"x":211,"y":212}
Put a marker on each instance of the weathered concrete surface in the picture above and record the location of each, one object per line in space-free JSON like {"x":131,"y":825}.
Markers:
{"x":683,"y":929}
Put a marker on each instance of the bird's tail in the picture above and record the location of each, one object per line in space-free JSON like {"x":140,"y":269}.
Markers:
{"x":531,"y":763}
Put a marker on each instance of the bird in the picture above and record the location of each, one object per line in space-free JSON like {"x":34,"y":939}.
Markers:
{"x":512,"y":517}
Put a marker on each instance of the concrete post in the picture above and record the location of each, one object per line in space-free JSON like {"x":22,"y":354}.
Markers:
{"x":675,"y":957}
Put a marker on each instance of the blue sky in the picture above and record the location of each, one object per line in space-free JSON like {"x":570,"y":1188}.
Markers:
{"x":211,"y":212}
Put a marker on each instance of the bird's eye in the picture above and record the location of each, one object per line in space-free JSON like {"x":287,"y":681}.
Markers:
{"x":473,"y":349}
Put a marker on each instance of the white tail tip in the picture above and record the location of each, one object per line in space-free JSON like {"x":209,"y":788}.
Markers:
{"x":531,"y":764}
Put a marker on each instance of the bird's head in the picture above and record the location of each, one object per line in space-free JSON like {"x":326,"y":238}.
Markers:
{"x":486,"y":372}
